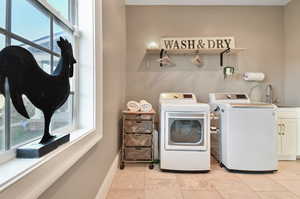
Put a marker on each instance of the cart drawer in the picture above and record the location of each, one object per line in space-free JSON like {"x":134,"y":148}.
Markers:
{"x":132,"y":126}
{"x":138,"y":140}
{"x":138,"y":154}
{"x":138,"y":117}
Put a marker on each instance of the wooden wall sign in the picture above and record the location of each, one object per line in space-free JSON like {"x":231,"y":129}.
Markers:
{"x":194,"y":43}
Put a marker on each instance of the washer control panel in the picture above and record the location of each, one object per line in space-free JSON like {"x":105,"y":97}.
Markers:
{"x":215,"y":98}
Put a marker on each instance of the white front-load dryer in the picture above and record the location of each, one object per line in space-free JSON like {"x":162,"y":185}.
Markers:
{"x":184,"y":133}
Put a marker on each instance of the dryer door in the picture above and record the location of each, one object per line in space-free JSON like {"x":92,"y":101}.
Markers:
{"x":186,"y":131}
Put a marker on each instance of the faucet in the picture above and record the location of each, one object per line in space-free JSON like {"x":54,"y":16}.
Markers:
{"x":269,"y":94}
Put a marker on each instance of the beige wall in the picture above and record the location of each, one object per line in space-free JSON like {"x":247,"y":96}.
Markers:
{"x":83,"y":180}
{"x":292,"y":53}
{"x":259,"y":29}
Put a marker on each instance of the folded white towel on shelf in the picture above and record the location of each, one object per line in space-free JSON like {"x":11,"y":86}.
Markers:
{"x":145,"y":106}
{"x":133,"y":106}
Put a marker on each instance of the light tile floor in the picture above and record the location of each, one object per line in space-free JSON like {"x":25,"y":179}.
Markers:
{"x":139,"y":182}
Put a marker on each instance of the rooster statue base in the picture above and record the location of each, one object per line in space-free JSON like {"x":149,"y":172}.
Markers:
{"x":21,"y":75}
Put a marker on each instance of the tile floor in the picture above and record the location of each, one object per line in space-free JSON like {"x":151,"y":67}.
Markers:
{"x":139,"y":182}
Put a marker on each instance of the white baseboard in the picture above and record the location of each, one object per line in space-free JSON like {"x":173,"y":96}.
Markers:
{"x":287,"y":157}
{"x":104,"y":188}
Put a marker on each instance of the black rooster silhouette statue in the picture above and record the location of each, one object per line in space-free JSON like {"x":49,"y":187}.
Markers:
{"x":47,"y":92}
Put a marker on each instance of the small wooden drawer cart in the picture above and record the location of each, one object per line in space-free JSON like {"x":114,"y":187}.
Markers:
{"x":137,"y":138}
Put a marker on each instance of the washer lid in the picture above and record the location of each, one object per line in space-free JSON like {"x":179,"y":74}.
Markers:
{"x":252,"y":105}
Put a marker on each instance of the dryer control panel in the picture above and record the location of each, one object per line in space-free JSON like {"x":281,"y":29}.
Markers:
{"x":177,"y":98}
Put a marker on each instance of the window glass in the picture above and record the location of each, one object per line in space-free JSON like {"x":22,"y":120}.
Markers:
{"x":30,"y":23}
{"x":63,"y":117}
{"x":2,"y":13}
{"x":2,"y":42}
{"x":1,"y":122}
{"x":42,"y":58}
{"x":60,"y":31}
{"x":61,"y":6}
{"x":72,"y":80}
{"x":2,"y":45}
{"x":55,"y":62}
{"x":22,"y":129}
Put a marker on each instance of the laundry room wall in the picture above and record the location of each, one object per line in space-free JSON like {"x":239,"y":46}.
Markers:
{"x":292,"y":56}
{"x":259,"y":29}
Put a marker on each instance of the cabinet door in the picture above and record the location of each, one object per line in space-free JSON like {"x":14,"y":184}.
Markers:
{"x":298,"y":137}
{"x":279,"y":136}
{"x":289,"y":136}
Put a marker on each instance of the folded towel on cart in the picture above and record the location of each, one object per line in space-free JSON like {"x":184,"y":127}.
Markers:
{"x":133,"y":106}
{"x":145,"y":106}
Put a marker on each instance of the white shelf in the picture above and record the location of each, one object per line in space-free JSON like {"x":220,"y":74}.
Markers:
{"x":194,"y":52}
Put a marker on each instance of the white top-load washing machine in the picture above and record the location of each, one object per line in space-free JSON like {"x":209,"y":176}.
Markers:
{"x":184,"y":133}
{"x":247,"y":138}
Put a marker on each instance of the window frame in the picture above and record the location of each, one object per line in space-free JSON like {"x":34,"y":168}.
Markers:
{"x":55,"y":18}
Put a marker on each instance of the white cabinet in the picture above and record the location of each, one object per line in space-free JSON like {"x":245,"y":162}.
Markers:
{"x":287,"y":139}
{"x":288,"y":126}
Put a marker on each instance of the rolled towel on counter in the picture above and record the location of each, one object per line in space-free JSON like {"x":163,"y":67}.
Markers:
{"x":133,"y":106}
{"x":254,"y":76}
{"x":145,"y":106}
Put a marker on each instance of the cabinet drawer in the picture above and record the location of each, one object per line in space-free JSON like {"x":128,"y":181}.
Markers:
{"x":132,"y":126}
{"x":138,"y":117}
{"x":138,"y":154}
{"x":138,"y":140}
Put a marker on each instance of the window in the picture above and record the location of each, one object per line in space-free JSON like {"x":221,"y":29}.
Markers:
{"x":43,"y":58}
{"x":1,"y":122}
{"x":62,"y":6}
{"x":61,"y":31}
{"x":2,"y":41}
{"x":85,"y":135}
{"x":2,"y":100}
{"x":2,"y":14}
{"x":32,"y":26}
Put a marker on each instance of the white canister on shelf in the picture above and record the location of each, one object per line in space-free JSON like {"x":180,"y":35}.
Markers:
{"x":250,"y":76}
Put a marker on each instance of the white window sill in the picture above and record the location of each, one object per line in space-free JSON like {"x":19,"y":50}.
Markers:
{"x":81,"y":141}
